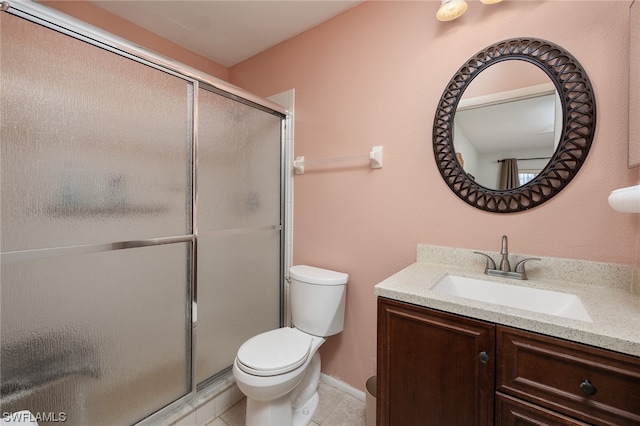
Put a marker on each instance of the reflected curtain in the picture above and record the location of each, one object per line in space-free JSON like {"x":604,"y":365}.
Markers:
{"x":509,"y":174}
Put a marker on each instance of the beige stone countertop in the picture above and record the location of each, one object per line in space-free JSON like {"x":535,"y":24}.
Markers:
{"x":615,"y":310}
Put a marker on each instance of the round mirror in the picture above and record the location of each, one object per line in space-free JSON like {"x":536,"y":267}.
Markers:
{"x":518,"y":134}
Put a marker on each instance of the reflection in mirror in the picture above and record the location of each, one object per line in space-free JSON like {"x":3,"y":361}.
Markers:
{"x":507,"y":125}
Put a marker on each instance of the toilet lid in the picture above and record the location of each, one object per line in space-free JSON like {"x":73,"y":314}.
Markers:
{"x":274,"y":352}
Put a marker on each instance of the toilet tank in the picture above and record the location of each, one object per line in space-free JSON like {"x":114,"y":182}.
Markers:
{"x":317,"y":299}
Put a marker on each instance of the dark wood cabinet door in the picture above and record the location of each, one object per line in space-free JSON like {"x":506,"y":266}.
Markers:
{"x":434,"y":368}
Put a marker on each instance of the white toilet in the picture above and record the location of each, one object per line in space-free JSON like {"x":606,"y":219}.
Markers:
{"x":279,"y":370}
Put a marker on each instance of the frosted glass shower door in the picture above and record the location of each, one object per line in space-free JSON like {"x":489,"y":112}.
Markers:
{"x":96,"y":230}
{"x":238,"y":228}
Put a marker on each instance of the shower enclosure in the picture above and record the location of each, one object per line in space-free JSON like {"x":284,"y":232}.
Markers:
{"x":130,"y":191}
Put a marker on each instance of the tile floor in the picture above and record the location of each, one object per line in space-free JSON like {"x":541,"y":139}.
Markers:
{"x":336,"y":409}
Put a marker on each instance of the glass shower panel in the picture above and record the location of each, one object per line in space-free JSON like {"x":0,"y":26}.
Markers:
{"x":99,"y":338}
{"x":238,"y":165}
{"x":238,"y":295}
{"x":238,"y":211}
{"x":95,"y":147}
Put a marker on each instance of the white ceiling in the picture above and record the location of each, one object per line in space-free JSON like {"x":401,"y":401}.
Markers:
{"x":227,"y":32}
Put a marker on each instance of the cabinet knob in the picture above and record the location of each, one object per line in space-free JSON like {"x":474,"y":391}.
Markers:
{"x":587,"y":387}
{"x":483,"y":357}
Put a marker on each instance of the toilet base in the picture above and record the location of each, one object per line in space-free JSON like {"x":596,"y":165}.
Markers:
{"x":295,"y":408}
{"x":275,"y":412}
{"x":305,"y":399}
{"x":302,"y":416}
{"x":279,"y":412}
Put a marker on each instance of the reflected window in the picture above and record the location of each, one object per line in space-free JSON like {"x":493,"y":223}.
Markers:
{"x":527,"y":176}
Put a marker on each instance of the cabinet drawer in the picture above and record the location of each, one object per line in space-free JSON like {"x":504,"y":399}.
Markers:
{"x":513,"y":412}
{"x":594,"y":385}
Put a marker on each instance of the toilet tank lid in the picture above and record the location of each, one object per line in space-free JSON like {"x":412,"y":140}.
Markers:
{"x":313,"y":275}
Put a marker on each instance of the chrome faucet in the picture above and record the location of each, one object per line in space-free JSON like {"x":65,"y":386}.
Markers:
{"x":505,"y":266}
{"x":518,"y":272}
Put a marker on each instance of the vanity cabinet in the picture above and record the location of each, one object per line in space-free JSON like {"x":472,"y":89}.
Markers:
{"x":433,"y":368}
{"x":436,"y":368}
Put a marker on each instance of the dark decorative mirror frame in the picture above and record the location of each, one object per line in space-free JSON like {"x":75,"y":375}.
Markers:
{"x":578,"y":126}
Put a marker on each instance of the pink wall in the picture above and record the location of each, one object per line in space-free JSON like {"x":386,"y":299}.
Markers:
{"x":373,"y":76}
{"x":87,"y":12}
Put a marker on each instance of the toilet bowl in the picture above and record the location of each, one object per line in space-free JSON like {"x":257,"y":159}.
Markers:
{"x":279,"y":370}
{"x":270,"y":386}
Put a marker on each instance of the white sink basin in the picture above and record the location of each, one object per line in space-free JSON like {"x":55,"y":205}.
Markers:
{"x":531,"y":299}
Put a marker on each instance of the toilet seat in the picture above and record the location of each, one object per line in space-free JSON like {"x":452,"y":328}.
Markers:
{"x":274,"y":352}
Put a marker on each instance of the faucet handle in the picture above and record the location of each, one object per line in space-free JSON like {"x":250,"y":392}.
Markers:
{"x":520,"y":265}
{"x":490,"y":263}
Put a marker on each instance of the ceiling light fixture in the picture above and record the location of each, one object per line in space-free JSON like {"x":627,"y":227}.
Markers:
{"x":451,"y":9}
{"x":490,"y":1}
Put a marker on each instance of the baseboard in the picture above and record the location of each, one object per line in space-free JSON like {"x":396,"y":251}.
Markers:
{"x":342,"y":386}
